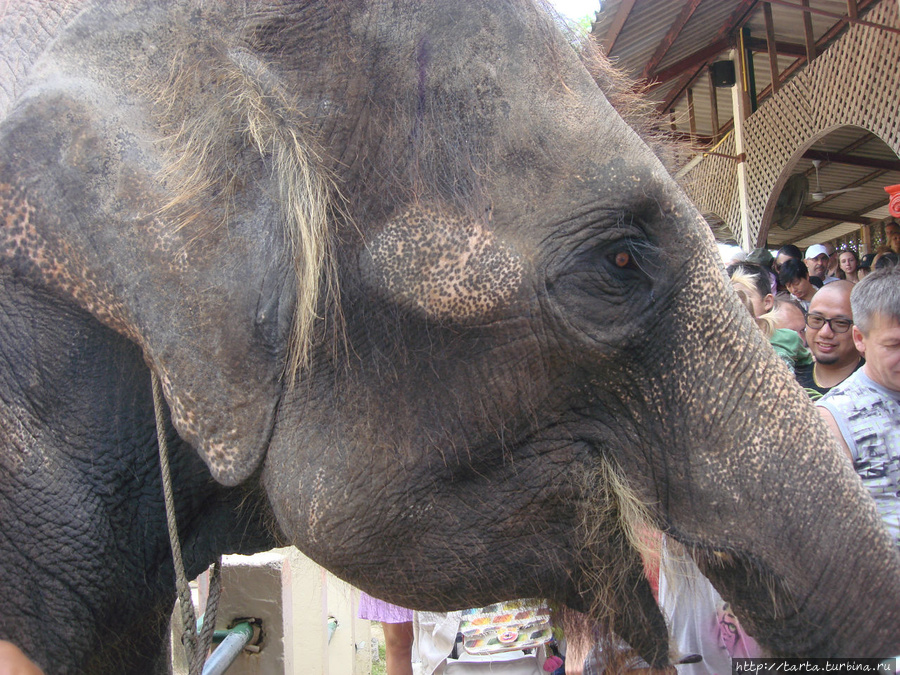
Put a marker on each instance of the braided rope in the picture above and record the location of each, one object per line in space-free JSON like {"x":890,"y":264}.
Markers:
{"x":188,"y":620}
{"x":212,"y":608}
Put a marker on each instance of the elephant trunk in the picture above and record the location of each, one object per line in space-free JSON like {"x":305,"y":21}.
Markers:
{"x":784,"y":514}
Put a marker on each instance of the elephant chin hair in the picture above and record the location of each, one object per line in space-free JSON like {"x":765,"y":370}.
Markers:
{"x":615,"y":536}
{"x":611,"y":500}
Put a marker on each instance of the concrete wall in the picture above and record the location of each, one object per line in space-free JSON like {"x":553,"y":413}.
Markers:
{"x":295,"y":599}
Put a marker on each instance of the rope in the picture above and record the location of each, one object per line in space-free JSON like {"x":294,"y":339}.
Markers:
{"x":194,"y":648}
{"x":212,"y":608}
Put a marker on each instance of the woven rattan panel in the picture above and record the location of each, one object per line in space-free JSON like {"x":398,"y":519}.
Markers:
{"x":855,"y":82}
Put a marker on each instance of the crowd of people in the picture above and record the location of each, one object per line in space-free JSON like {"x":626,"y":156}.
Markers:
{"x":846,"y":353}
{"x":834,"y":319}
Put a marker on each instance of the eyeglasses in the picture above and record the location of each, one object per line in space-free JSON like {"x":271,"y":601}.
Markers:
{"x":816,"y":321}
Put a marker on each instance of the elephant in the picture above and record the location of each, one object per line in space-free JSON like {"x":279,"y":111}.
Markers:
{"x":423,"y":301}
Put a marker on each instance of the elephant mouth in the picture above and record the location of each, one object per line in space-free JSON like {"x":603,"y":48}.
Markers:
{"x":621,"y":547}
{"x":611,"y":599}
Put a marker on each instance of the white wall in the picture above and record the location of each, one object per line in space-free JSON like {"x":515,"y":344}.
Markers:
{"x":294,"y":598}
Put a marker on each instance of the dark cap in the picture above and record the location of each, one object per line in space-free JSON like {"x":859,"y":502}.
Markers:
{"x":866,"y":261}
{"x":761,"y":256}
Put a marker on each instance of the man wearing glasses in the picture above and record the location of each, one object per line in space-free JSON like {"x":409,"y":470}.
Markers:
{"x":830,"y":340}
{"x":863,"y":411}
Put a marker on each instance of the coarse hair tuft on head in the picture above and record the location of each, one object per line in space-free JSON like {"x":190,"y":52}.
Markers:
{"x":626,"y":94}
{"x":242,"y":118}
{"x":876,"y":295}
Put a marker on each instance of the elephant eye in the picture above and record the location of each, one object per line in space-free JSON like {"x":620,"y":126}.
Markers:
{"x":611,"y":269}
{"x":632,"y":255}
{"x":614,"y":272}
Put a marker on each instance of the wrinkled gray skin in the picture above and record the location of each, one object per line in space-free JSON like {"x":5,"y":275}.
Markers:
{"x":524,"y":294}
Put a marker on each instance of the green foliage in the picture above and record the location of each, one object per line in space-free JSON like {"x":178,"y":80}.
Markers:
{"x":584,"y":23}
{"x":379,"y":667}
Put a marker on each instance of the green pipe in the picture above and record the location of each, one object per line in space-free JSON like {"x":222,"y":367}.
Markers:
{"x":220,"y":635}
{"x":233,"y":642}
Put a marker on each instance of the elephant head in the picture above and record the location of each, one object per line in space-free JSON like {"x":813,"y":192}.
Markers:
{"x":403,"y":267}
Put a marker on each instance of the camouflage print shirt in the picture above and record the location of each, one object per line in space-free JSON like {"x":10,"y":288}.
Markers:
{"x":868,"y":416}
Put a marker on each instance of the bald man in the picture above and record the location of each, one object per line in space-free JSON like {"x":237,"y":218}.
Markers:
{"x":830,"y":340}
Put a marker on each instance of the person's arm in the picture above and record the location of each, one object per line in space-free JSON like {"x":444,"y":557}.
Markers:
{"x":14,"y":662}
{"x":832,"y":425}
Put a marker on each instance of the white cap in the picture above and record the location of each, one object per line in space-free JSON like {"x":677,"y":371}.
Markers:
{"x":815,"y":251}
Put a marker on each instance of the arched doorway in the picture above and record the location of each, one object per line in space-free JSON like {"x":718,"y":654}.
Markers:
{"x":832,"y":188}
{"x":855,"y":88}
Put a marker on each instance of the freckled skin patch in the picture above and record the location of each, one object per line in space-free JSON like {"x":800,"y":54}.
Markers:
{"x":61,"y":267}
{"x":450,"y":267}
{"x":220,"y":456}
{"x":57,"y":264}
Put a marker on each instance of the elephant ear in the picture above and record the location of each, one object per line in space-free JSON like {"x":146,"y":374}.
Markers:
{"x":228,"y":424}
{"x":210,"y":295}
{"x":235,"y":144}
{"x":212,"y":317}
{"x":181,"y":206}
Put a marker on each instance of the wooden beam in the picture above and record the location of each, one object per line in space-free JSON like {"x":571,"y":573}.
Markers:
{"x":687,"y":10}
{"x":846,"y":218}
{"x":690,"y":68}
{"x":699,"y":58}
{"x":842,"y":218}
{"x":808,"y":33}
{"x":735,"y":19}
{"x":687,"y":79}
{"x":852,"y":9}
{"x":850,"y":147}
{"x":807,"y":10}
{"x":770,"y":41}
{"x":863,"y":139}
{"x":783,"y":48}
{"x":853,"y":160}
{"x":618,"y":22}
{"x":836,"y":217}
{"x":830,"y":34}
